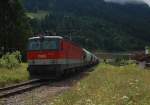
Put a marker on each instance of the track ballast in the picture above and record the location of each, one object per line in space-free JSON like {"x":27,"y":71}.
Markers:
{"x":20,"y":88}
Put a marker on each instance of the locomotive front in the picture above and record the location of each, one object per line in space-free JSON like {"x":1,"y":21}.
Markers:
{"x":43,"y":55}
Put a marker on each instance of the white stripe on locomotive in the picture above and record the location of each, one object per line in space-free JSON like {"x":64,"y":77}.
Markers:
{"x":53,"y":61}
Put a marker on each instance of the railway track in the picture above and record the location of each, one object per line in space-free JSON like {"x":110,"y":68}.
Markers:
{"x":20,"y":88}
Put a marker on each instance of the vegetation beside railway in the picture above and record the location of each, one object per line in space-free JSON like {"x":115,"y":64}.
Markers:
{"x":12,"y":70}
{"x":10,"y":60}
{"x":14,"y":75}
{"x":110,"y":85}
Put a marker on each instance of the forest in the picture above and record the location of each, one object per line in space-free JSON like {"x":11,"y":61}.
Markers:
{"x":93,"y":24}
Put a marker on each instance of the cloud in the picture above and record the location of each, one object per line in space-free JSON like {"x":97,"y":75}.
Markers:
{"x":129,"y":1}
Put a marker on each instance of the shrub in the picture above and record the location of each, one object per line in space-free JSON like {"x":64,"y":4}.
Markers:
{"x":11,"y":60}
{"x":120,"y":61}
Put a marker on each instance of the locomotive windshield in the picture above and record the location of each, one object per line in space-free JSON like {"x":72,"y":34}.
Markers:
{"x":43,"y":44}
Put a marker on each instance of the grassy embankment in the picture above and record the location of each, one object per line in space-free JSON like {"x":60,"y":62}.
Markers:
{"x":110,"y":85}
{"x":38,"y":15}
{"x":14,"y":75}
{"x":12,"y":70}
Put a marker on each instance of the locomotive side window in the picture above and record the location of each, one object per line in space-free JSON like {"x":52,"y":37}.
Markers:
{"x":45,"y":44}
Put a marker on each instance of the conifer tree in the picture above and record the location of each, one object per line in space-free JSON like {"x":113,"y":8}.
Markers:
{"x":14,"y":27}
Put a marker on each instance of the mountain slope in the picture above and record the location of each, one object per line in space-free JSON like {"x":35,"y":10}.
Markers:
{"x":98,"y":25}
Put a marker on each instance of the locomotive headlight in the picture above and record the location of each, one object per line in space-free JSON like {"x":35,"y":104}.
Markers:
{"x":33,"y":62}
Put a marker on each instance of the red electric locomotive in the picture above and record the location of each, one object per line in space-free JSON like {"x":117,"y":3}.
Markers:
{"x":51,"y":56}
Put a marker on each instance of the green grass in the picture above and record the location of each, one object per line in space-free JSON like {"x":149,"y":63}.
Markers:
{"x":110,"y":85}
{"x":11,"y":76}
{"x":38,"y":15}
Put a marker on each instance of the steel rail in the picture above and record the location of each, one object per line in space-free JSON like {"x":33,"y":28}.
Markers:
{"x":20,"y":88}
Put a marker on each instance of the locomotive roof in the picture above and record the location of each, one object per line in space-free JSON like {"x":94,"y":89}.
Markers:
{"x":38,"y":37}
{"x":86,"y":51}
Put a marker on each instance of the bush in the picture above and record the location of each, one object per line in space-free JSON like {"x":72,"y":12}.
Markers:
{"x":11,"y":60}
{"x":13,"y":76}
{"x":121,"y":61}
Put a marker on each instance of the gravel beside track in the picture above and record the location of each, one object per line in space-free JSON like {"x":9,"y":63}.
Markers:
{"x":43,"y":94}
{"x":20,"y":88}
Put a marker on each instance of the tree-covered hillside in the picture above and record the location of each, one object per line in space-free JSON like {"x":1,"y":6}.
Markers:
{"x":14,"y":27}
{"x":94,"y":23}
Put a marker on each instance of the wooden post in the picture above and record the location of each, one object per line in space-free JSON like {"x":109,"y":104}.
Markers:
{"x":142,"y":64}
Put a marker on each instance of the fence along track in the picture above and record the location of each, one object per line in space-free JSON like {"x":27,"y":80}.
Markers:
{"x":20,"y":88}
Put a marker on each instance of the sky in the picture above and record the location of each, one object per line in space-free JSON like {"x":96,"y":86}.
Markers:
{"x":129,"y":1}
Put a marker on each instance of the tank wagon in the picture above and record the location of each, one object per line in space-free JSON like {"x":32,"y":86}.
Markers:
{"x":52,"y":56}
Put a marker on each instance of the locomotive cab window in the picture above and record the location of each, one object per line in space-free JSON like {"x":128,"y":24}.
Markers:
{"x":34,"y":45}
{"x":44,"y":44}
{"x":50,"y":44}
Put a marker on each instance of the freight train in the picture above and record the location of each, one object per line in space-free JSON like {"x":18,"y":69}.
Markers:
{"x":52,"y":56}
